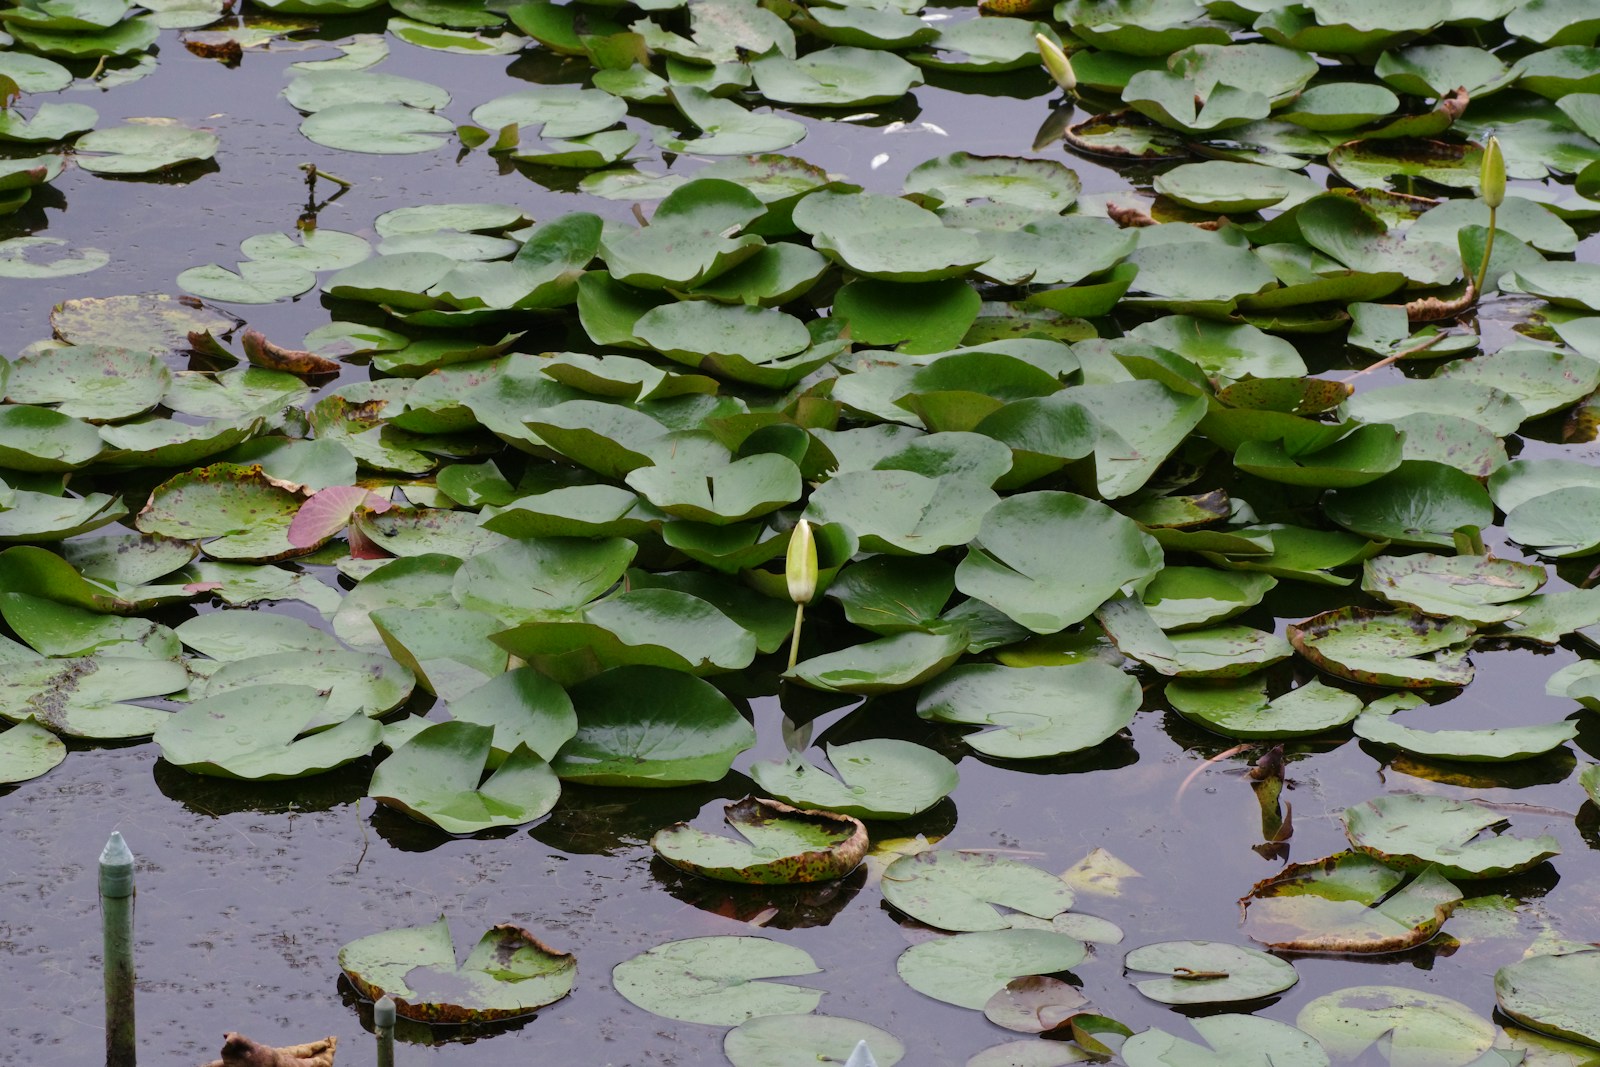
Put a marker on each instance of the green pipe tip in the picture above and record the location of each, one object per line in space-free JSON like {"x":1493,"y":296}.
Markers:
{"x":383,"y":1012}
{"x":116,"y":868}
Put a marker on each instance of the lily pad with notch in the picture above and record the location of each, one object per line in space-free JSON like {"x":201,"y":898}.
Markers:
{"x":803,"y":1040}
{"x":264,"y":733}
{"x":880,"y":778}
{"x":717,"y":980}
{"x":1208,"y":972}
{"x":90,"y":696}
{"x":1347,"y":903}
{"x":959,"y":891}
{"x":509,"y":973}
{"x":967,"y":969}
{"x":1228,"y":1037}
{"x":1033,"y":712}
{"x":1414,"y":831}
{"x":1242,"y":709}
{"x":1501,"y":745}
{"x":1550,"y":993}
{"x":438,"y":777}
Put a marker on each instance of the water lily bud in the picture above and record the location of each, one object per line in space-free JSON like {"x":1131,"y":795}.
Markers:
{"x":800,"y":566}
{"x":1056,"y":62}
{"x":1492,"y":174}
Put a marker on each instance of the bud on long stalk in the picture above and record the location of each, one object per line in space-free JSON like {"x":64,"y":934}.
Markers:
{"x":1492,"y":187}
{"x":1056,"y":62}
{"x":800,"y":569}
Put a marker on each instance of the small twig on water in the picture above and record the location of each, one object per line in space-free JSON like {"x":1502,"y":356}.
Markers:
{"x":313,"y":172}
{"x":1198,"y":771}
{"x":1394,"y":357}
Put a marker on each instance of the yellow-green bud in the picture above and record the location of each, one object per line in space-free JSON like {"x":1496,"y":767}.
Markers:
{"x":1492,"y":174}
{"x":1056,"y":62}
{"x":800,"y":565}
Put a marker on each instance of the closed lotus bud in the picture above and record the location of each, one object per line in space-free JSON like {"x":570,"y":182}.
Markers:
{"x":800,"y":565}
{"x":1056,"y":62}
{"x":1492,"y":174}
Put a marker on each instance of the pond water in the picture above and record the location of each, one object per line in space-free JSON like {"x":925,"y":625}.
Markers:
{"x":248,"y":891}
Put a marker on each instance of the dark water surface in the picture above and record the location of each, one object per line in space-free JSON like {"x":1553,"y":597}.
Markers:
{"x":246,"y":893}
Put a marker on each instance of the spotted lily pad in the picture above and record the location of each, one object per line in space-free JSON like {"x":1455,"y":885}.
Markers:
{"x":28,"y":750}
{"x":89,"y":696}
{"x":508,"y":973}
{"x":782,"y":845}
{"x":1404,"y":649}
{"x":1480,"y":589}
{"x":1414,"y":831}
{"x":240,"y":512}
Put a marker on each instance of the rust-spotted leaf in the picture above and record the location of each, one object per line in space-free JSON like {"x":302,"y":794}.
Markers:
{"x":781,"y":846}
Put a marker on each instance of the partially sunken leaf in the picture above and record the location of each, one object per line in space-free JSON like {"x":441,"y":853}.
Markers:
{"x":968,"y":969}
{"x":1403,"y":649}
{"x":782,"y":845}
{"x":880,"y":778}
{"x":958,"y":891}
{"x":255,"y":733}
{"x":648,"y":726}
{"x":717,"y":980}
{"x":508,"y":973}
{"x":1034,"y":711}
{"x":1208,"y":972}
{"x":1413,"y":831}
{"x":1347,"y":903}
{"x":437,"y":777}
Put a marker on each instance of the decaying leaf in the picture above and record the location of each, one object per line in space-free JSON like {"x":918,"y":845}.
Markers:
{"x":240,"y":1051}
{"x":263,"y":353}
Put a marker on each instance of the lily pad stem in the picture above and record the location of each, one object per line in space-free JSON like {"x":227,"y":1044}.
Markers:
{"x":313,"y":172}
{"x":1395,"y":357}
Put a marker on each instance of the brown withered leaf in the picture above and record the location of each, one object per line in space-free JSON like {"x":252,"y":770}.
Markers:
{"x":263,"y":353}
{"x":222,"y":47}
{"x":240,"y":1051}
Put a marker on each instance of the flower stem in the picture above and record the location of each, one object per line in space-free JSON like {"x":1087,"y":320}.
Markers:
{"x":794,"y":643}
{"x":1488,"y":248}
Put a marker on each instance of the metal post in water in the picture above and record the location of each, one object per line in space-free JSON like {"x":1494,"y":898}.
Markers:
{"x":116,"y":914}
{"x":383,"y":1026}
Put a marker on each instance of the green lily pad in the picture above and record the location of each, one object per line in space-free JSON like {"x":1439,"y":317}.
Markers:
{"x":240,"y":512}
{"x":255,"y":734}
{"x":898,"y":661}
{"x":1414,"y":831}
{"x":235,"y":635}
{"x":782,"y":845}
{"x":1410,"y":1028}
{"x":802,"y":1040}
{"x":1403,"y":649}
{"x":1548,"y":994}
{"x":984,"y":46}
{"x":40,"y":439}
{"x":437,"y":777}
{"x":967,"y":969}
{"x":1038,"y":184}
{"x":318,"y":90}
{"x":1502,"y":745}
{"x":886,"y":237}
{"x":1034,"y":712}
{"x":1208,"y":972}
{"x":1480,"y":589}
{"x":1228,"y":1037}
{"x":717,"y":980}
{"x":524,"y":708}
{"x":28,"y":750}
{"x":727,"y":129}
{"x":377,"y":129}
{"x":648,"y":726}
{"x":84,"y":697}
{"x":348,"y":682}
{"x":90,"y":382}
{"x":1234,"y":188}
{"x":540,"y":577}
{"x":881,"y":778}
{"x":903,"y":512}
{"x":841,"y":76}
{"x":1006,"y":564}
{"x":1242,"y":709}
{"x":1347,"y":903}
{"x":1420,"y":503}
{"x":508,"y":973}
{"x":958,"y":891}
{"x":1187,"y":597}
{"x":154,"y":145}
{"x":50,"y":122}
{"x":254,"y":283}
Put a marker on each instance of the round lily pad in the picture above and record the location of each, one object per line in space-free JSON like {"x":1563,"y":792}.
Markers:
{"x":806,"y":1040}
{"x":782,"y":845}
{"x":1034,"y":711}
{"x":1208,"y":972}
{"x":255,"y":733}
{"x":1405,"y":649}
{"x":968,"y":969}
{"x":1414,"y":831}
{"x":716,"y":980}
{"x":379,"y":129}
{"x":1552,"y":994}
{"x":957,"y":890}
{"x":142,"y":148}
{"x":28,"y":750}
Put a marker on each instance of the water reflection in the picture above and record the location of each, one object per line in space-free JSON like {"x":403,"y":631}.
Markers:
{"x":781,"y":907}
{"x":601,"y":821}
{"x":215,"y":797}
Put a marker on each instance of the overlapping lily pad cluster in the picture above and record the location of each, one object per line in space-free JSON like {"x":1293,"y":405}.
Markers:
{"x":1051,"y":446}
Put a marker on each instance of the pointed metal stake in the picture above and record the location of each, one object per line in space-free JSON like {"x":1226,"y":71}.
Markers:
{"x":383,"y":1026}
{"x":116,"y":913}
{"x":861,"y":1057}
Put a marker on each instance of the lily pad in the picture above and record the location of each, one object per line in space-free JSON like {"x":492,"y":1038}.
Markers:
{"x":967,"y":969}
{"x":437,"y":777}
{"x":803,"y":1040}
{"x":259,"y":733}
{"x":1403,"y":649}
{"x":1208,"y":972}
{"x":1033,"y":711}
{"x":717,"y":980}
{"x":1547,"y":993}
{"x":1414,"y":831}
{"x":782,"y":845}
{"x":141,"y":148}
{"x":508,"y":973}
{"x":881,"y":778}
{"x":652,"y":727}
{"x":28,"y":750}
{"x":1411,"y":1028}
{"x":959,"y":891}
{"x":1229,"y":1037}
{"x":1503,"y":745}
{"x":1347,"y":903}
{"x":898,"y":661}
{"x":1242,"y":709}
